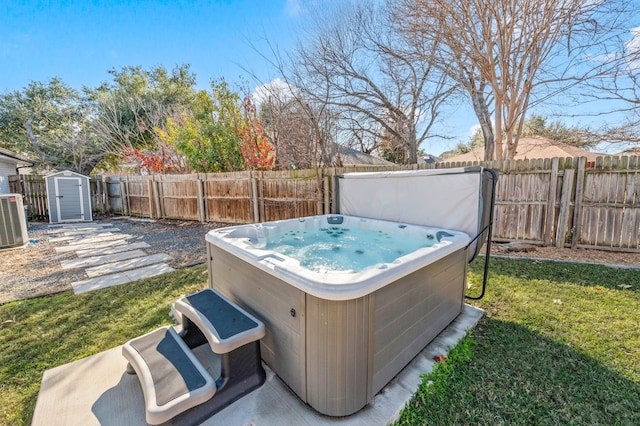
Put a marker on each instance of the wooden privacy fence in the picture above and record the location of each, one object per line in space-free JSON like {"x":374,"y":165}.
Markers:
{"x":559,"y":202}
{"x":235,"y":197}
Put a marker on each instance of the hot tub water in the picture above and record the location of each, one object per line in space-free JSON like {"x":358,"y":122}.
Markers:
{"x":341,"y":248}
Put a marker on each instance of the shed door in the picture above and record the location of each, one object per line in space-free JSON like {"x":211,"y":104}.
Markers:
{"x":69,"y":198}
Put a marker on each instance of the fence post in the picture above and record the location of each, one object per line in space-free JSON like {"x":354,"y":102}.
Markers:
{"x":577,"y":205}
{"x":327,"y":195}
{"x":150,"y":198}
{"x":200,"y":193}
{"x":565,"y":201}
{"x":124,"y":191}
{"x":263,"y":209}
{"x":253,"y":191}
{"x":158,"y":196}
{"x":551,"y":202}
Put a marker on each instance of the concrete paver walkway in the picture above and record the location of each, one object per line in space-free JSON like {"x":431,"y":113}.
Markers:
{"x":111,"y":250}
{"x":110,"y":257}
{"x":120,"y":278}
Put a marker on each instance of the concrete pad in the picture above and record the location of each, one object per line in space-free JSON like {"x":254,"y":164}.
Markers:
{"x":61,"y":239}
{"x":98,"y":239}
{"x":84,"y":262}
{"x":120,"y":278}
{"x":111,"y":250}
{"x":93,"y":246}
{"x":79,"y":237}
{"x":90,"y":231}
{"x":97,"y":391}
{"x":125,"y":265}
{"x":81,"y":226}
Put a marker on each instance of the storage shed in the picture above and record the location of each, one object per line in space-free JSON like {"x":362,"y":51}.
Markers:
{"x":68,"y":197}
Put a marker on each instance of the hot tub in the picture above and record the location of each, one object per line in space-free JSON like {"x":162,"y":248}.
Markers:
{"x":338,"y":334}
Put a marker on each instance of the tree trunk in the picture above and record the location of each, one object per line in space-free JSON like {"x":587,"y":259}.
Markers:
{"x":484,"y":117}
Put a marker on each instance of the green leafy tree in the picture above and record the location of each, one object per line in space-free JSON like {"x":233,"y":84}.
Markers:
{"x":206,"y":134}
{"x":130,"y":108}
{"x":51,"y":123}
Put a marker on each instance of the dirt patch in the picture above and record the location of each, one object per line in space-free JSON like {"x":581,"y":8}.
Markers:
{"x":571,"y":255}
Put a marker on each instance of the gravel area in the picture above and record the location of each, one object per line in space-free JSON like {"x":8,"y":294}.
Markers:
{"x":35,"y":270}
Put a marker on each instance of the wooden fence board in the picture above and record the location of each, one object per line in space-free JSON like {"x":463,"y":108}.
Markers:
{"x":577,"y":210}
{"x":532,"y":204}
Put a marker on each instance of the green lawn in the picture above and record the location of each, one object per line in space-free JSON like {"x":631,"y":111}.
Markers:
{"x":560,"y":345}
{"x":42,"y":333}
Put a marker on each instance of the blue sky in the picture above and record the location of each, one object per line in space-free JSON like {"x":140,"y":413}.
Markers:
{"x":79,"y":41}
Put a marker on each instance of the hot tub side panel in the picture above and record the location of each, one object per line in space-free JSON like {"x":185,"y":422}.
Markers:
{"x":412,"y":311}
{"x":280,"y":306}
{"x":338,"y":337}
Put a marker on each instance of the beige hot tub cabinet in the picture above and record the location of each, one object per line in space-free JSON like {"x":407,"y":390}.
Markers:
{"x":337,"y":354}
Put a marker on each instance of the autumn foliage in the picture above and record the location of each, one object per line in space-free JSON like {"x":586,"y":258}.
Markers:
{"x":161,"y":161}
{"x":257,"y":152}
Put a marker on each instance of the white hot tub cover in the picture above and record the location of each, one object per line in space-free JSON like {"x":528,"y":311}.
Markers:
{"x":460,"y":199}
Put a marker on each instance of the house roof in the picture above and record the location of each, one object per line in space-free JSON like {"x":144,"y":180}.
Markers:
{"x":628,"y":152}
{"x":13,"y":156}
{"x":533,"y":147}
{"x":353,"y":157}
{"x":428,"y":159}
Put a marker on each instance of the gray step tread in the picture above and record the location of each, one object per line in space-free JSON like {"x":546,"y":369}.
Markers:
{"x":172,"y":378}
{"x":225,"y":325}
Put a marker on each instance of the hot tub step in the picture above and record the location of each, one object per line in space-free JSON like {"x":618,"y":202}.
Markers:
{"x":172,"y":378}
{"x":225,"y":325}
{"x":234,"y":334}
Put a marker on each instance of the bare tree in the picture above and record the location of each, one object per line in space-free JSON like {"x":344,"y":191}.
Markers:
{"x":124,"y":121}
{"x":621,"y":88}
{"x":353,"y":60}
{"x":299,"y":123}
{"x":288,"y":130}
{"x":512,"y":54}
{"x":128,"y":110}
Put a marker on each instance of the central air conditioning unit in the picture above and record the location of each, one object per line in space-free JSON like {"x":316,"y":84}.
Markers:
{"x":13,"y":223}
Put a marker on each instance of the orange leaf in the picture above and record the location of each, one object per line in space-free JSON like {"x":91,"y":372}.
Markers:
{"x":440,"y":358}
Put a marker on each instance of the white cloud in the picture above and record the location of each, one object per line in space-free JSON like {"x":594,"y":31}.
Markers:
{"x":293,"y":7}
{"x":632,"y":50}
{"x":275,"y":88}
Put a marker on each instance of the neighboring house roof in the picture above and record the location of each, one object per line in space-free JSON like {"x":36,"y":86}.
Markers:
{"x":533,"y":147}
{"x":428,"y":159}
{"x":4,"y":153}
{"x":353,"y":157}
{"x":628,"y":152}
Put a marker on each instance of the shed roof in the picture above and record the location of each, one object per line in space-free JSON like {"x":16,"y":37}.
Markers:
{"x":66,"y":173}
